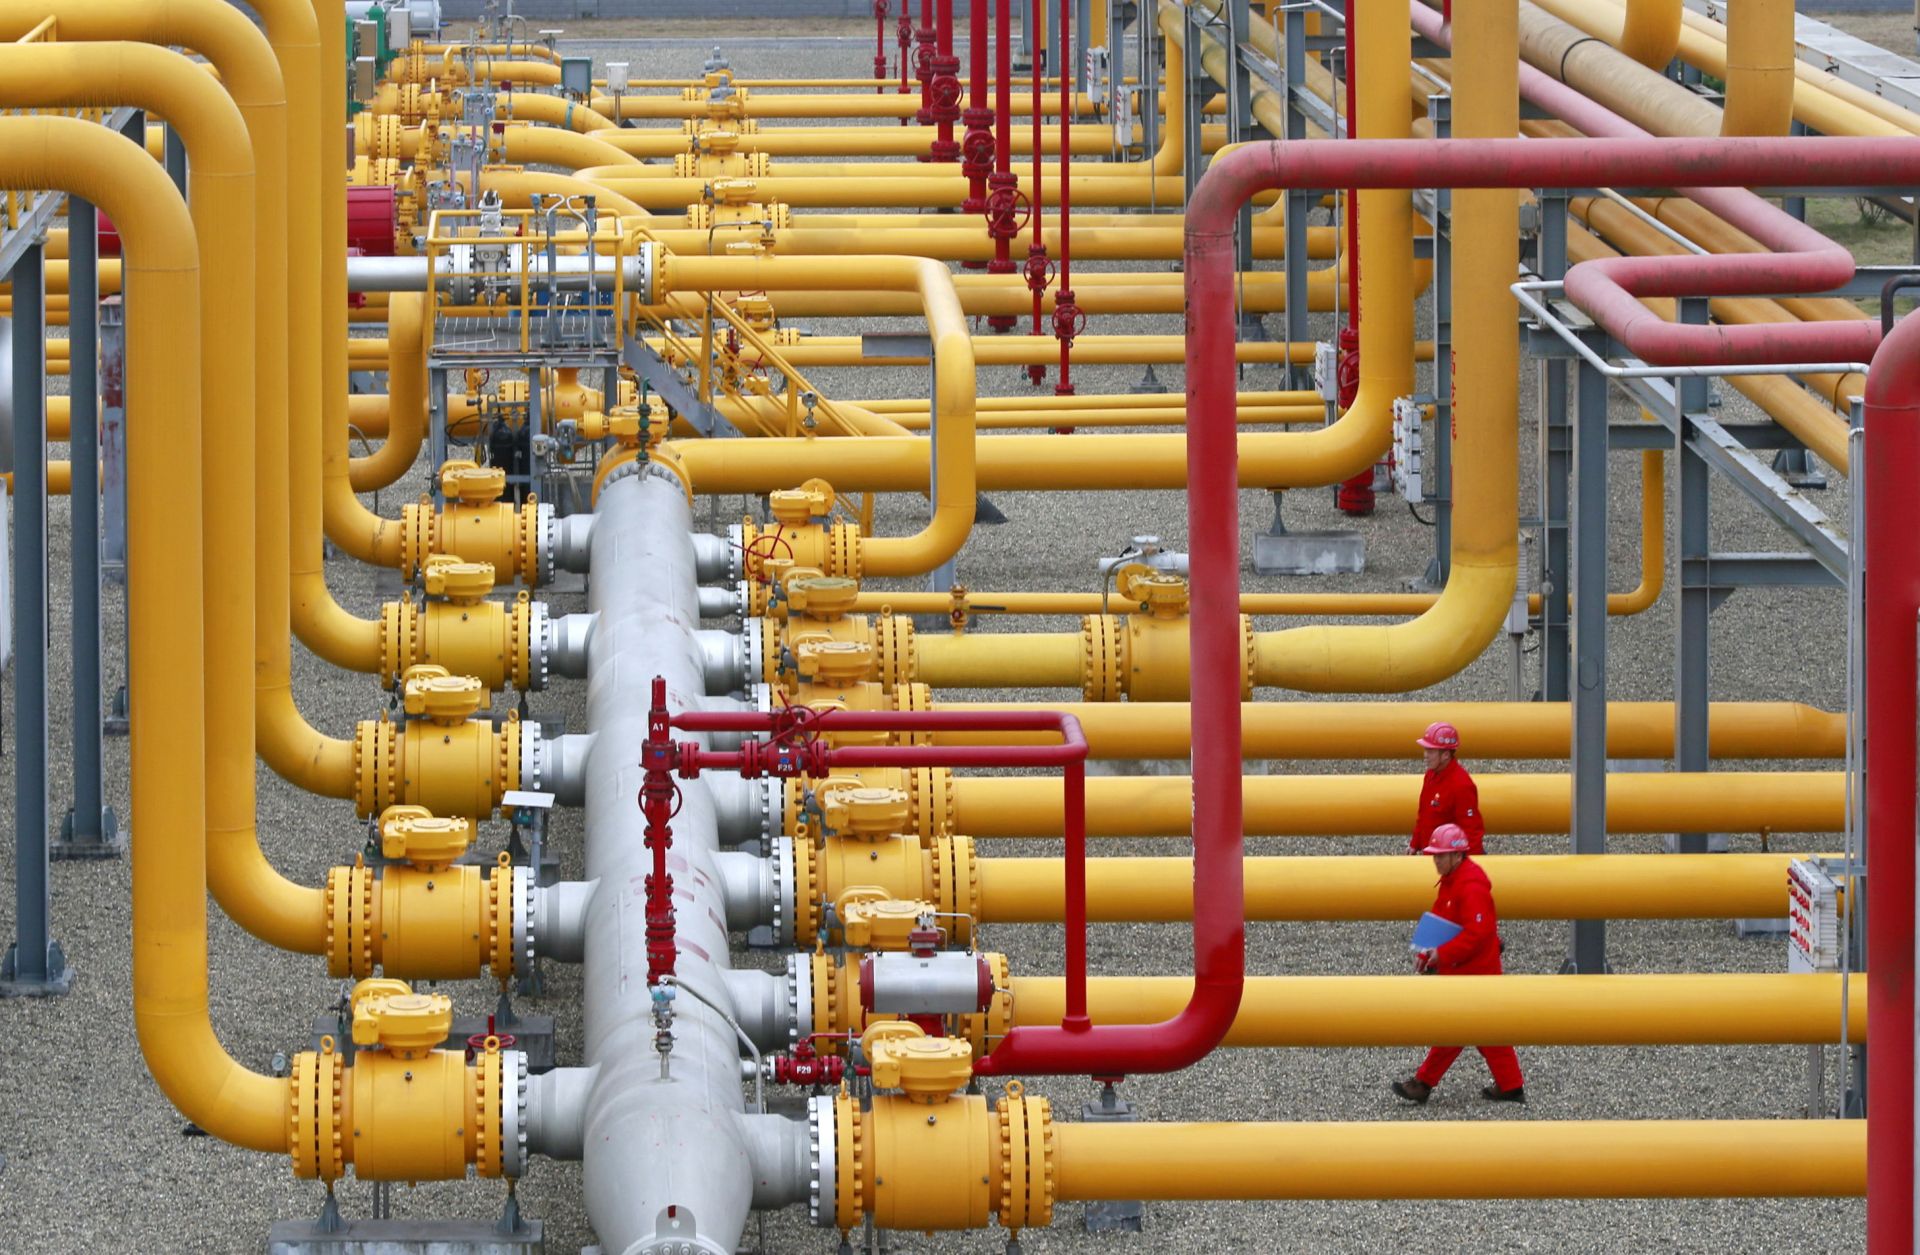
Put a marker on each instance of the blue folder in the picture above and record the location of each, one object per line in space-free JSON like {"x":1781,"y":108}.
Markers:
{"x":1432,"y":932}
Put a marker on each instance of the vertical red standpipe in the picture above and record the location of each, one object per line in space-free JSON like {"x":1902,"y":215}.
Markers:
{"x":1354,"y":496}
{"x":1893,"y":600}
{"x":903,"y":34}
{"x":923,"y":46}
{"x":976,"y":147}
{"x":1038,"y":271}
{"x":1003,"y":190}
{"x":880,"y":46}
{"x":1068,"y":319}
{"x":657,"y":793}
{"x":944,"y":87}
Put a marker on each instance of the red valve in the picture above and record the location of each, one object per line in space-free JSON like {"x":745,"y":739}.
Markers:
{"x":1069,"y":320}
{"x":804,"y":1067}
{"x":1038,"y":270}
{"x":1008,"y":211}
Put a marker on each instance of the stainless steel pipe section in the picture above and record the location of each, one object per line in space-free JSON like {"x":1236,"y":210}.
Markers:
{"x":672,"y":1160}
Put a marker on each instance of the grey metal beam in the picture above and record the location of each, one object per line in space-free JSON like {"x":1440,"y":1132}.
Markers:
{"x":1587,"y":944}
{"x":90,"y":828}
{"x":1691,"y":659}
{"x":1728,"y":571}
{"x":1556,"y":465}
{"x":35,"y":964}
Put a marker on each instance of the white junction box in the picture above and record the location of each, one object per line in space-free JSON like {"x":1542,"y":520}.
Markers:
{"x":1816,"y":936}
{"x":1326,"y":371}
{"x":1407,"y":440}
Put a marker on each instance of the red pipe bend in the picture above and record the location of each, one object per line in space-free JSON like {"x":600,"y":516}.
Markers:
{"x":1893,"y":601}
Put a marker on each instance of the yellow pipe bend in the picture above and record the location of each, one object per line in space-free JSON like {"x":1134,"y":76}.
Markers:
{"x":954,"y":478}
{"x":406,"y":402}
{"x":1760,"y":78}
{"x":1650,"y":32}
{"x":1611,"y":1010}
{"x":224,"y":206}
{"x":165,"y":581}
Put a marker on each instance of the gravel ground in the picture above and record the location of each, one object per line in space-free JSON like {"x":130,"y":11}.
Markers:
{"x":96,"y":1158}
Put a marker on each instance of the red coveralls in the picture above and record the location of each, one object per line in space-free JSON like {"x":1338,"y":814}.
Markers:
{"x":1466,"y":898}
{"x":1448,"y":796}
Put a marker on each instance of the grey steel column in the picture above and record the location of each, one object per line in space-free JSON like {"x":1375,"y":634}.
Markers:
{"x":1440,"y":113}
{"x":1690,"y":656}
{"x":1240,"y":129}
{"x":90,"y":829}
{"x":1587,"y":949}
{"x":1300,"y":201}
{"x":1556,"y":456}
{"x":34,"y":964}
{"x":113,"y":473}
{"x":1151,"y":57}
{"x":1199,"y":89}
{"x":176,"y":159}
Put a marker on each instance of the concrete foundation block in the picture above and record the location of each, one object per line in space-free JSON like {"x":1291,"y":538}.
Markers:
{"x":1310,"y":553}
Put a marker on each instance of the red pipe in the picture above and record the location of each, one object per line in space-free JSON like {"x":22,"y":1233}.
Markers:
{"x":903,"y":35}
{"x":1213,"y":506}
{"x":923,"y":54}
{"x":1069,"y":320}
{"x":1003,"y":190}
{"x":1354,"y":496}
{"x":977,"y":146}
{"x":1076,"y":1045}
{"x":1810,"y":261}
{"x":1893,"y":600}
{"x":943,"y":88}
{"x":1038,"y":270}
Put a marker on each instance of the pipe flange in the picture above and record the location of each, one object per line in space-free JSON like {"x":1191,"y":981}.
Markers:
{"x":623,"y":471}
{"x":533,"y":758}
{"x":524,"y":934}
{"x":785,"y":911}
{"x":822,"y":1158}
{"x":537,"y":563}
{"x":539,"y":645}
{"x":773,"y":808}
{"x":641,"y":283}
{"x":799,"y":997}
{"x":736,"y":553}
{"x":752,"y":642}
{"x":513,"y":1113}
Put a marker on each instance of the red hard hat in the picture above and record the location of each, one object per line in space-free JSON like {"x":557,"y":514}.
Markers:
{"x":1439,"y":736}
{"x":1446,"y":839}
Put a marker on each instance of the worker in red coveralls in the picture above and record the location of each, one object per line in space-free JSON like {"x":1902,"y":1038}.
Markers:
{"x":1466,"y":898}
{"x":1447,"y":792}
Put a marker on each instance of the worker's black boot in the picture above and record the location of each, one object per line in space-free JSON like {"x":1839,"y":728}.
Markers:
{"x":1493,"y":1093}
{"x":1414,"y":1090}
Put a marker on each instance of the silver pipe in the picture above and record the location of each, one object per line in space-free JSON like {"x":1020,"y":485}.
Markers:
{"x":720,"y":603}
{"x":564,"y":643}
{"x":576,"y":272}
{"x":712,"y":558}
{"x":557,"y":1111}
{"x":559,"y":923}
{"x":669,"y":1163}
{"x":573,"y":542}
{"x":747,"y":885}
{"x":722,"y":661}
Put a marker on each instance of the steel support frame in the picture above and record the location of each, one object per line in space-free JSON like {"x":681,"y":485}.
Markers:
{"x":34,"y":965}
{"x":1692,"y":654}
{"x":1440,"y":464}
{"x":1556,"y":462}
{"x":90,"y":829}
{"x":1587,"y":639}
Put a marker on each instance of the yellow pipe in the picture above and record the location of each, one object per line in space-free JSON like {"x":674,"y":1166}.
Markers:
{"x":59,"y":477}
{"x":348,"y":522}
{"x":1760,"y":79}
{"x":166,"y":663}
{"x":224,"y":206}
{"x":1650,"y":32}
{"x":1612,"y":1010}
{"x":1345,"y":887}
{"x":952,"y":448}
{"x":367,"y":413}
{"x":814,"y":192}
{"x":406,"y":407}
{"x":1386,"y":730}
{"x":877,"y":141}
{"x":1166,"y":416}
{"x":1820,"y":109}
{"x":1073,"y":404}
{"x":1462,"y":1159}
{"x":1299,"y":806}
{"x":1104,"y":350}
{"x":552,"y":111}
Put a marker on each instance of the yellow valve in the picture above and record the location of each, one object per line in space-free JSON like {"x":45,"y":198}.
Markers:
{"x":871,"y":921}
{"x":466,"y":636}
{"x":927,"y":1070}
{"x":822,"y":596}
{"x":463,"y":583}
{"x":942,"y":876}
{"x":834,"y":663}
{"x":734,"y":191}
{"x":865,"y":812}
{"x":451,"y":768}
{"x":1164,"y":596}
{"x":432,"y":693}
{"x":834,"y":983}
{"x":720,"y":143}
{"x":430,"y":842}
{"x":796,"y":507}
{"x":929,"y":791}
{"x":470,"y":484}
{"x":387,"y":1014}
